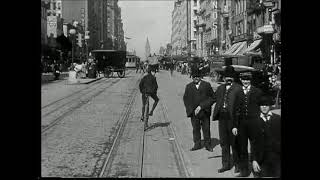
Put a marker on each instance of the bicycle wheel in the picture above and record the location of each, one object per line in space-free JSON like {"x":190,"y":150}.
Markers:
{"x":146,"y":113}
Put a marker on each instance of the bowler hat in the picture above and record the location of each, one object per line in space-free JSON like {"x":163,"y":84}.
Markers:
{"x":229,"y":72}
{"x":196,"y":73}
{"x":265,"y":100}
{"x":246,"y":75}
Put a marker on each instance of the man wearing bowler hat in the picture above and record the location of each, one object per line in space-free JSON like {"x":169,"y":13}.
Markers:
{"x":198,"y":99}
{"x":248,"y":125}
{"x":225,"y":111}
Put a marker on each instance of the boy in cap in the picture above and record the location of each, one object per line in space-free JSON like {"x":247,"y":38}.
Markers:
{"x":248,"y":125}
{"x":198,"y":99}
{"x":269,"y":164}
{"x":148,"y":86}
{"x":225,"y":111}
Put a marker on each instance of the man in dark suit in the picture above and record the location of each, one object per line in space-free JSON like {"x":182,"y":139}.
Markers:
{"x":225,"y":112}
{"x":248,"y":125}
{"x":270,"y":164}
{"x":198,"y":99}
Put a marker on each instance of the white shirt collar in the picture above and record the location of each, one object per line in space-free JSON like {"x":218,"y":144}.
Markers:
{"x":197,"y":85}
{"x":244,"y":88}
{"x":269,"y":116}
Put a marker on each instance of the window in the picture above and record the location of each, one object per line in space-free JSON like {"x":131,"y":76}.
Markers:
{"x":58,"y":6}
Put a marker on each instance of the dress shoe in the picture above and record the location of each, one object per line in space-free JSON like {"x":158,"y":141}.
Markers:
{"x":195,"y":148}
{"x":209,"y":149}
{"x":236,"y":169}
{"x":243,"y":174}
{"x":223,"y":169}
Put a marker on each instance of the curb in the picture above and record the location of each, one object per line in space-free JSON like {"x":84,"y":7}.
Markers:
{"x":92,"y":80}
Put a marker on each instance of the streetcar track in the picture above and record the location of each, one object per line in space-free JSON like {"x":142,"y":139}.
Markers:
{"x":80,"y":103}
{"x":74,"y":96}
{"x":74,"y":93}
{"x":126,"y":112}
{"x":180,"y":160}
{"x":72,"y":109}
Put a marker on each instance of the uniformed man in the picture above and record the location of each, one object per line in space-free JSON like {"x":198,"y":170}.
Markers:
{"x":225,"y":111}
{"x":248,"y":126}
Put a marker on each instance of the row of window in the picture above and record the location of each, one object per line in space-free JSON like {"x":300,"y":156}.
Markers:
{"x":240,"y":6}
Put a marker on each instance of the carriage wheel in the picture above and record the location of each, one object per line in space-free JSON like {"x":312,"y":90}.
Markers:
{"x":107,"y":73}
{"x":121,"y":74}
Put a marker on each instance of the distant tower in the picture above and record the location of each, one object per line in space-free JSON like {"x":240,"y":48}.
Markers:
{"x":147,"y":49}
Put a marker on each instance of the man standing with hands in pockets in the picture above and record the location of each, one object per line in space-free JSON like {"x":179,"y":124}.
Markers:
{"x":198,"y":99}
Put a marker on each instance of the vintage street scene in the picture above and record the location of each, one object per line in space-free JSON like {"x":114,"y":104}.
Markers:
{"x":159,"y":89}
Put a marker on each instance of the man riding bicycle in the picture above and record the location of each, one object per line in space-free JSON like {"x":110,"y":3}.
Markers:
{"x":148,"y":87}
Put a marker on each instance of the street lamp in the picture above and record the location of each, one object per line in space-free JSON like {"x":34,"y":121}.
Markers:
{"x":72,"y":32}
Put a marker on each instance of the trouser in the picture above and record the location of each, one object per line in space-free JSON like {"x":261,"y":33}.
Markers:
{"x":227,"y":140}
{"x":144,"y":101}
{"x":204,"y":124}
{"x":250,"y":129}
{"x":270,"y":166}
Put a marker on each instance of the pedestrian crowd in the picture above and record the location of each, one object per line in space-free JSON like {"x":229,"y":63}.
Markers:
{"x":243,"y":113}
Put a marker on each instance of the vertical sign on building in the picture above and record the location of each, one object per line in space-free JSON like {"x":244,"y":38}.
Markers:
{"x":82,"y":17}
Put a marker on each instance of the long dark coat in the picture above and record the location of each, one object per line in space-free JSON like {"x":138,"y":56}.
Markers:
{"x":232,"y":98}
{"x":205,"y":99}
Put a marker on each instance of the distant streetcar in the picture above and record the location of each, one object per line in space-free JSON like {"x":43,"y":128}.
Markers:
{"x":131,"y":61}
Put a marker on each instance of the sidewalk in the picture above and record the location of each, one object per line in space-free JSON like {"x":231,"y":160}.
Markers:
{"x":49,"y":77}
{"x":200,"y":163}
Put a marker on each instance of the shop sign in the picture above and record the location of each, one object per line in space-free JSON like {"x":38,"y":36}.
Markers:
{"x":266,"y":29}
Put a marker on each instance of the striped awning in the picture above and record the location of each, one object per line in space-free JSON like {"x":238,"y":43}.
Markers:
{"x":253,"y":46}
{"x":242,"y":47}
{"x":232,"y":49}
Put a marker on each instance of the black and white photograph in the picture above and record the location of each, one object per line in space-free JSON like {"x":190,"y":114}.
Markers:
{"x":160,"y":88}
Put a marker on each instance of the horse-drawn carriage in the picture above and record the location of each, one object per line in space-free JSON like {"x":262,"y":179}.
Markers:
{"x":110,"y":61}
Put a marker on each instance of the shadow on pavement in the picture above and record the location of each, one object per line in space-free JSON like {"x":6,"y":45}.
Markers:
{"x":158,"y":124}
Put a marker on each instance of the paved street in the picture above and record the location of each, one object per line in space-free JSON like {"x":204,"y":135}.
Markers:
{"x":81,"y":124}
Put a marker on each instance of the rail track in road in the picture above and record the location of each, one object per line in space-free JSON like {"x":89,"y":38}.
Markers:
{"x":54,"y":112}
{"x":119,"y":130}
{"x":175,"y":148}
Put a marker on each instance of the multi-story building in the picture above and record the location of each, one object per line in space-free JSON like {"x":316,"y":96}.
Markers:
{"x":224,"y":25}
{"x":207,"y":28}
{"x":101,"y":20}
{"x":54,"y":23}
{"x":239,"y":35}
{"x":183,"y":37}
{"x":44,"y":38}
{"x":176,"y":28}
{"x":264,"y":30}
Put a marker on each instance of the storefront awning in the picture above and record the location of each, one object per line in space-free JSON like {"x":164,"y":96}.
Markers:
{"x":232,"y":49}
{"x":242,"y":47}
{"x":252,"y":46}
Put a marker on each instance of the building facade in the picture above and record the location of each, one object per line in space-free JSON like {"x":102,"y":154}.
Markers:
{"x":183,"y":37}
{"x":44,"y":38}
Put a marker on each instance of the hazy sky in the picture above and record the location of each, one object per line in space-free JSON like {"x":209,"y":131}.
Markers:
{"x":142,"y":19}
